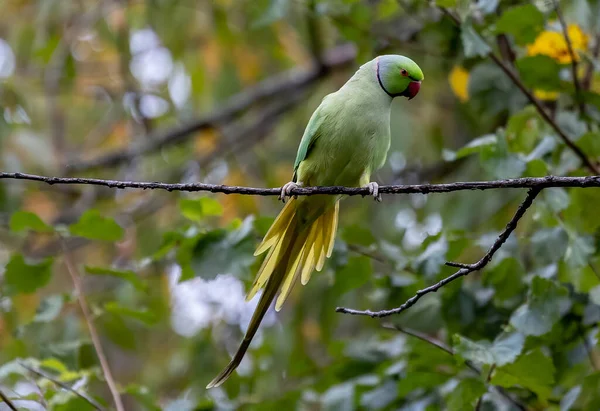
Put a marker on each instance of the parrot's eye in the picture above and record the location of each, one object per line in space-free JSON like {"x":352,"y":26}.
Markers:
{"x":404,"y":72}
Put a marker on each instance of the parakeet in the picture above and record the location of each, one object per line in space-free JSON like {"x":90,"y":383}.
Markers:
{"x":347,"y":139}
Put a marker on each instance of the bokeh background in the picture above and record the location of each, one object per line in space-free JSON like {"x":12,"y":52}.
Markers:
{"x":220,"y":92}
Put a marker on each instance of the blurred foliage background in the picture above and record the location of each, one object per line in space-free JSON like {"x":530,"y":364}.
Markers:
{"x":220,"y":92}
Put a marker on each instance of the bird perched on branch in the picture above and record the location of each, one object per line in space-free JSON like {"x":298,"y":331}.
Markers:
{"x":346,"y":140}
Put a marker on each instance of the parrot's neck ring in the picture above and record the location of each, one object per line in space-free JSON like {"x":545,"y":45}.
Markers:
{"x":381,"y":82}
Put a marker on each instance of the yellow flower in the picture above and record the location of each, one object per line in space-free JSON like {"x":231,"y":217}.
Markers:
{"x":459,"y":82}
{"x":545,"y":95}
{"x":554,"y":44}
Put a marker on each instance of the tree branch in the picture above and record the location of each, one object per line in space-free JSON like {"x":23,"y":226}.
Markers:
{"x":517,"y":82}
{"x":293,"y":80}
{"x":61,"y":384}
{"x":527,"y":182}
{"x":574,"y":63}
{"x":465,"y":270}
{"x":587,"y":79}
{"x":110,"y":381}
{"x":7,"y":401}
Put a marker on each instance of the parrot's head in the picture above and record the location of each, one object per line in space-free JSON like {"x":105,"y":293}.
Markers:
{"x":398,"y":75}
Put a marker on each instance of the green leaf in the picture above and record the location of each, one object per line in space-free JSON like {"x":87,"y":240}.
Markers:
{"x":478,"y":352}
{"x":583,"y":278}
{"x":93,"y":226}
{"x":354,"y":274}
{"x":445,"y":3}
{"x":533,"y":371}
{"x":25,"y":220}
{"x":356,"y":234}
{"x":276,"y":10}
{"x":218,"y":251}
{"x":473,"y":44}
{"x":49,"y":309}
{"x":478,"y":145}
{"x":523,"y":130}
{"x":505,"y":277}
{"x":550,"y":244}
{"x":524,"y":23}
{"x":579,"y":250}
{"x":126,"y":275}
{"x":144,"y":316}
{"x":540,"y":72}
{"x":546,"y":304}
{"x":465,"y":394}
{"x":198,"y":208}
{"x":25,"y":278}
{"x":590,"y":143}
{"x":387,"y":9}
{"x":503,"y":351}
{"x":582,"y":213}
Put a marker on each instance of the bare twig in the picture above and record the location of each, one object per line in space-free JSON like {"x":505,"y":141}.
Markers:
{"x":281,"y":85}
{"x":487,"y":380}
{"x":7,"y":401}
{"x":574,"y":62}
{"x":527,"y":182}
{"x":61,"y":384}
{"x":533,"y":100}
{"x":112,"y":386}
{"x":424,"y":337}
{"x":587,"y":79}
{"x":442,"y":346}
{"x":510,"y":227}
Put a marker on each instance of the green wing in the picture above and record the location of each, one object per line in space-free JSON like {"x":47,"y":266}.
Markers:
{"x":311,"y":134}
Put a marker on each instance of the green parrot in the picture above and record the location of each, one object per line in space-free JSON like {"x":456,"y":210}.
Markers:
{"x":346,"y":140}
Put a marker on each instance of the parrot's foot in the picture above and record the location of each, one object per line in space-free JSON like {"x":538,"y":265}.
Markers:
{"x":374,"y":191}
{"x":286,"y":190}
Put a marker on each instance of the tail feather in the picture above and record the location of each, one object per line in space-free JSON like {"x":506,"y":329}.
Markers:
{"x":278,"y":227}
{"x":294,"y":250}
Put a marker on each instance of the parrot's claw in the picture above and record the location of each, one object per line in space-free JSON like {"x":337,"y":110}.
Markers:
{"x":286,"y":190}
{"x":374,"y":191}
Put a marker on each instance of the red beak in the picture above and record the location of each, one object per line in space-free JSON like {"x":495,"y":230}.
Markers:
{"x":412,"y":90}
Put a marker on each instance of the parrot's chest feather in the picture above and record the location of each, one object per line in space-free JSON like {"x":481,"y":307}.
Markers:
{"x":354,"y":138}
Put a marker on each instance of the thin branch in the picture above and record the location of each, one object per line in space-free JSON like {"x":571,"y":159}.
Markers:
{"x":487,"y":380}
{"x":574,"y":62}
{"x":510,"y":227}
{"x":442,"y":346}
{"x":587,"y":79}
{"x":533,"y":100}
{"x":61,"y":384}
{"x":7,"y":401}
{"x":281,"y":85}
{"x":527,"y":182}
{"x":112,"y":386}
{"x":424,"y":337}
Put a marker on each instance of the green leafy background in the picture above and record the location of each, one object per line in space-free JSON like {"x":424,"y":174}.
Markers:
{"x":165,"y":273}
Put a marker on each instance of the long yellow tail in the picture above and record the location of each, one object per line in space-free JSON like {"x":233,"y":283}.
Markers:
{"x":294,"y":250}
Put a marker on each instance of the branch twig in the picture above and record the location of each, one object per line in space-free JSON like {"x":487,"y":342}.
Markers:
{"x":61,"y":384}
{"x":112,"y":386}
{"x":587,"y":79}
{"x":7,"y":401}
{"x":487,"y":381}
{"x":574,"y":63}
{"x":291,"y":81}
{"x":465,"y":270}
{"x":439,"y":344}
{"x":533,"y":100}
{"x":527,"y":182}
